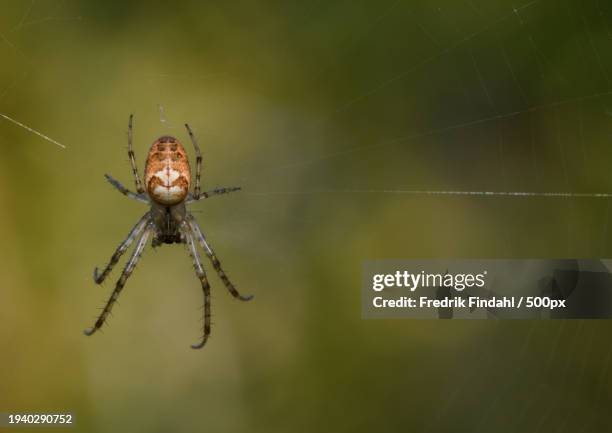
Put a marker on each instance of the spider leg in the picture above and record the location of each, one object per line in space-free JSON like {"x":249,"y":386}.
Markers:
{"x":213,"y":192}
{"x":196,"y":188}
{"x":127,"y":271}
{"x":122,"y":248}
{"x":195,"y":228}
{"x":139,"y":187}
{"x":123,"y":190}
{"x":201,"y":273}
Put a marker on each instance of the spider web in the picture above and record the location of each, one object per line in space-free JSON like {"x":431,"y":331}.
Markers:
{"x":496,"y":52}
{"x":294,"y":160}
{"x":562,"y":99}
{"x":565,"y":105}
{"x":517,"y":14}
{"x":54,"y":13}
{"x":480,"y":111}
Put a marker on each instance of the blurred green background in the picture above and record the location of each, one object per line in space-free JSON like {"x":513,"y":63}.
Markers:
{"x":317,"y":109}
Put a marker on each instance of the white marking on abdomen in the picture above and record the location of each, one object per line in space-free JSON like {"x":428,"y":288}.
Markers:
{"x":171,"y":194}
{"x":167,"y":176}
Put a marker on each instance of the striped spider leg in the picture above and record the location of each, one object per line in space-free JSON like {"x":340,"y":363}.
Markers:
{"x":127,"y":271}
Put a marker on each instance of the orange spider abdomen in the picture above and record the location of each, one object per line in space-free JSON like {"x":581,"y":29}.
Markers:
{"x":167,"y":172}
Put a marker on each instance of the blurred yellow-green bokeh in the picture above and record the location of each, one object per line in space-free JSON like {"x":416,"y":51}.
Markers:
{"x":323,"y":111}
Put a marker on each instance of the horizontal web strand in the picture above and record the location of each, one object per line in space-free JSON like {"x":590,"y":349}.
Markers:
{"x":443,"y":192}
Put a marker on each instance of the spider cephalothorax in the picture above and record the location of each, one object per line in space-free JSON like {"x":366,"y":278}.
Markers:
{"x":167,"y":180}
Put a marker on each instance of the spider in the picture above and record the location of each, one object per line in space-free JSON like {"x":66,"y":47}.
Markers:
{"x":167,"y":180}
